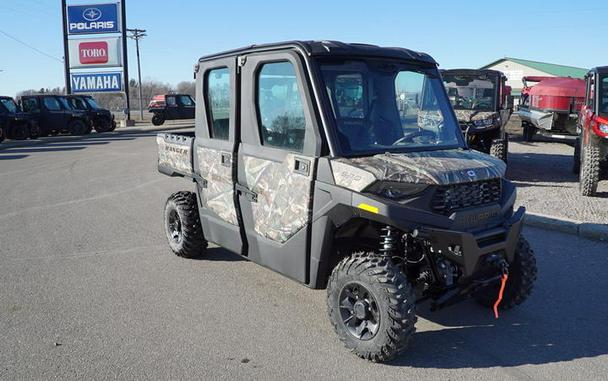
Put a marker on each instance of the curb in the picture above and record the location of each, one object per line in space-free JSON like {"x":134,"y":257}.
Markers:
{"x":598,"y":232}
{"x":69,"y":138}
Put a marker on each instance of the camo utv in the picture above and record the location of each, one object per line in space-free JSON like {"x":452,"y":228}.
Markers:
{"x":483,"y":105}
{"x":304,"y":162}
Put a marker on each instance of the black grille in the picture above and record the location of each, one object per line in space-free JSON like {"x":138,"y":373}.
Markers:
{"x":448,"y":198}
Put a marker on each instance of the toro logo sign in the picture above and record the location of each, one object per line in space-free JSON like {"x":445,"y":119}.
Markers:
{"x":95,"y":52}
{"x":94,"y":18}
{"x":96,"y":82}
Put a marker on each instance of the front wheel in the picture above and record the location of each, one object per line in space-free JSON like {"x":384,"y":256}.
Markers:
{"x":522,"y":274}
{"x":499,"y":149}
{"x":78,"y":127}
{"x":1,"y":135}
{"x":158,"y":119}
{"x":183,"y":226}
{"x":104,"y":125}
{"x":20,"y":132}
{"x":371,"y":306}
{"x":590,"y":170}
{"x":34,"y":131}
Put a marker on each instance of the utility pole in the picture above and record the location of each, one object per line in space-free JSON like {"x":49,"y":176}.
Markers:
{"x":138,"y":34}
{"x":66,"y":52}
{"x":123,"y":14}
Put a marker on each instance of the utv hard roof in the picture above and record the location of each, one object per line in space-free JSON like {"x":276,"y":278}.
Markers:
{"x":600,"y":69}
{"x":330,"y":49}
{"x":472,"y":72}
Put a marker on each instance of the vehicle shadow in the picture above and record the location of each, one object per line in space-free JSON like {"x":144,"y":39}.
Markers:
{"x":540,"y":167}
{"x":219,"y":254}
{"x":565,"y":318}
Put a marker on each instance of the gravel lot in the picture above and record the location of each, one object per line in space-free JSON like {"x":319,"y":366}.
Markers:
{"x":90,"y":290}
{"x":546,"y":185}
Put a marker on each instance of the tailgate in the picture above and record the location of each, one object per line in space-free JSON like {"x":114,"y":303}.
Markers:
{"x":175,"y":154}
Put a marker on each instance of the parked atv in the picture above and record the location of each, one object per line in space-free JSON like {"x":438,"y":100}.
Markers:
{"x":591,"y":150}
{"x":102,"y":119}
{"x":171,"y":107}
{"x":54,"y":115}
{"x":483,"y":105}
{"x":15,"y":124}
{"x":304,"y":163}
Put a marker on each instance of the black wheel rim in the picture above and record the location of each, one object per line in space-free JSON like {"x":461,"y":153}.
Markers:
{"x":359,"y":311}
{"x":174,"y":227}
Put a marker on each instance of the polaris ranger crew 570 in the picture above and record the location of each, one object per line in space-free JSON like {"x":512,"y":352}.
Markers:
{"x":483,"y":105}
{"x":303,"y":162}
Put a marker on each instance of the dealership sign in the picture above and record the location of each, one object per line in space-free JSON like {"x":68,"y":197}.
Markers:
{"x":93,"y":53}
{"x":96,"y":82}
{"x":94,"y":18}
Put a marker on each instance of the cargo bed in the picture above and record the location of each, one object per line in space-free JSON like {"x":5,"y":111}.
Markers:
{"x":175,"y":153}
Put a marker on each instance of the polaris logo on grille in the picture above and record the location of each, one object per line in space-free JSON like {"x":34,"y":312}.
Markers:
{"x":472,"y":174}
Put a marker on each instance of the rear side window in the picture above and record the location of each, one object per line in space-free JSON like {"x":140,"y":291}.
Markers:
{"x":51,"y":104}
{"x":218,"y":102}
{"x":171,"y":101}
{"x":280,"y":107}
{"x":30,"y":105}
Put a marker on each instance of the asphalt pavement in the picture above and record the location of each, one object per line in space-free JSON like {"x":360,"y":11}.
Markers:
{"x":90,"y":290}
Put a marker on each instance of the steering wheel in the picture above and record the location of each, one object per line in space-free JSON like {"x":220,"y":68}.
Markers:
{"x":411,"y":135}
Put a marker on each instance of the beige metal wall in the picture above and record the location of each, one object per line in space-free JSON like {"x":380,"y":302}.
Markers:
{"x":515,"y":72}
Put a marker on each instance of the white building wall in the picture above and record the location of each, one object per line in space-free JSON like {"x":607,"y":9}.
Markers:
{"x":515,"y":72}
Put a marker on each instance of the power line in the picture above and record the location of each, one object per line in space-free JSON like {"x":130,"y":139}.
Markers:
{"x":30,"y":46}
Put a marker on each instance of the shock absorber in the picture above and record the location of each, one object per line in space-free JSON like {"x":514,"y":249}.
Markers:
{"x":388,"y":241}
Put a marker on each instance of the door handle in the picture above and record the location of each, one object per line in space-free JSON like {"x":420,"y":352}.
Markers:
{"x":302,"y":166}
{"x":226,"y":159}
{"x":251,"y":195}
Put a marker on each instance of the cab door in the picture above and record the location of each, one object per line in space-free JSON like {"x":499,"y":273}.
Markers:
{"x":171,"y":107}
{"x":588,"y":109}
{"x":214,"y":152}
{"x":277,"y":161}
{"x":186,"y":107}
{"x":53,"y":116}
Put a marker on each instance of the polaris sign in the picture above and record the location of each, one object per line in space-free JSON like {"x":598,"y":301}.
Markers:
{"x":96,"y":82}
{"x":95,"y":18}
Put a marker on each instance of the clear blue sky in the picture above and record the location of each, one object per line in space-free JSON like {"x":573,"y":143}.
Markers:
{"x":455,"y":33}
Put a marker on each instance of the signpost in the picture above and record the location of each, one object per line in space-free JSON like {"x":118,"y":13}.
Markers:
{"x":96,"y":52}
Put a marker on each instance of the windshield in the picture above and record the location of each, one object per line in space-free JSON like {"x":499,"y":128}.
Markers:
{"x":9,"y":104}
{"x":388,"y":106}
{"x":603,"y":95}
{"x":471,"y":92}
{"x":92,"y":103}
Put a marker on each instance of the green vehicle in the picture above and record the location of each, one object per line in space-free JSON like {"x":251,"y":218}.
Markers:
{"x":304,"y":161}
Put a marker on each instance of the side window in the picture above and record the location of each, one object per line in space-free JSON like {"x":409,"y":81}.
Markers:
{"x":186,"y":101}
{"x":30,"y":105}
{"x":591,"y":92}
{"x":604,"y":95}
{"x":280,"y":107}
{"x":171,"y":101}
{"x":217,"y":95}
{"x":349,"y":95}
{"x":51,"y":104}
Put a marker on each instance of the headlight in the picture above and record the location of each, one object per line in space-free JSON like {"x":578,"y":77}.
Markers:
{"x":394,"y":190}
{"x":603,"y":128}
{"x":483,"y":122}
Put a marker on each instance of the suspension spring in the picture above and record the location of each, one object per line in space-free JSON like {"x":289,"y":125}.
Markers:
{"x":388,"y":241}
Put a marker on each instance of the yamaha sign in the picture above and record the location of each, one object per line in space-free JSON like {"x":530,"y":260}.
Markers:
{"x":96,"y":82}
{"x":94,"y":18}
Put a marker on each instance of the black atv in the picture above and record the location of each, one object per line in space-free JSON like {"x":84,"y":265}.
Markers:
{"x":15,"y":124}
{"x":171,"y":107}
{"x":55,"y":115}
{"x":483,"y":106}
{"x":304,"y":162}
{"x":591,"y":149}
{"x":102,"y":119}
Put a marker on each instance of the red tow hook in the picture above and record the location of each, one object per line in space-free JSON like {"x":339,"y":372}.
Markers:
{"x":503,"y":283}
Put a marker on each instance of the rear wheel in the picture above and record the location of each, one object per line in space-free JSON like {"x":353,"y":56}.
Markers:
{"x":78,"y":127}
{"x":1,"y":135}
{"x":34,"y":131}
{"x":183,"y":225}
{"x":522,"y":274}
{"x":371,"y":306}
{"x":158,"y":119}
{"x":499,"y":149}
{"x":590,"y":170}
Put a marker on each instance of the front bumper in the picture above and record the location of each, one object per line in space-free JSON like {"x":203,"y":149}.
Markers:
{"x":466,"y":249}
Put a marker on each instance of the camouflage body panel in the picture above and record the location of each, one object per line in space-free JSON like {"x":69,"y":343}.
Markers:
{"x":471,"y":115}
{"x":283,"y":202}
{"x":174,"y":153}
{"x":218,"y":196}
{"x":430,"y":167}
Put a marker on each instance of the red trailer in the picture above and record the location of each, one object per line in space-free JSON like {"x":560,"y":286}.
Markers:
{"x":551,"y":106}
